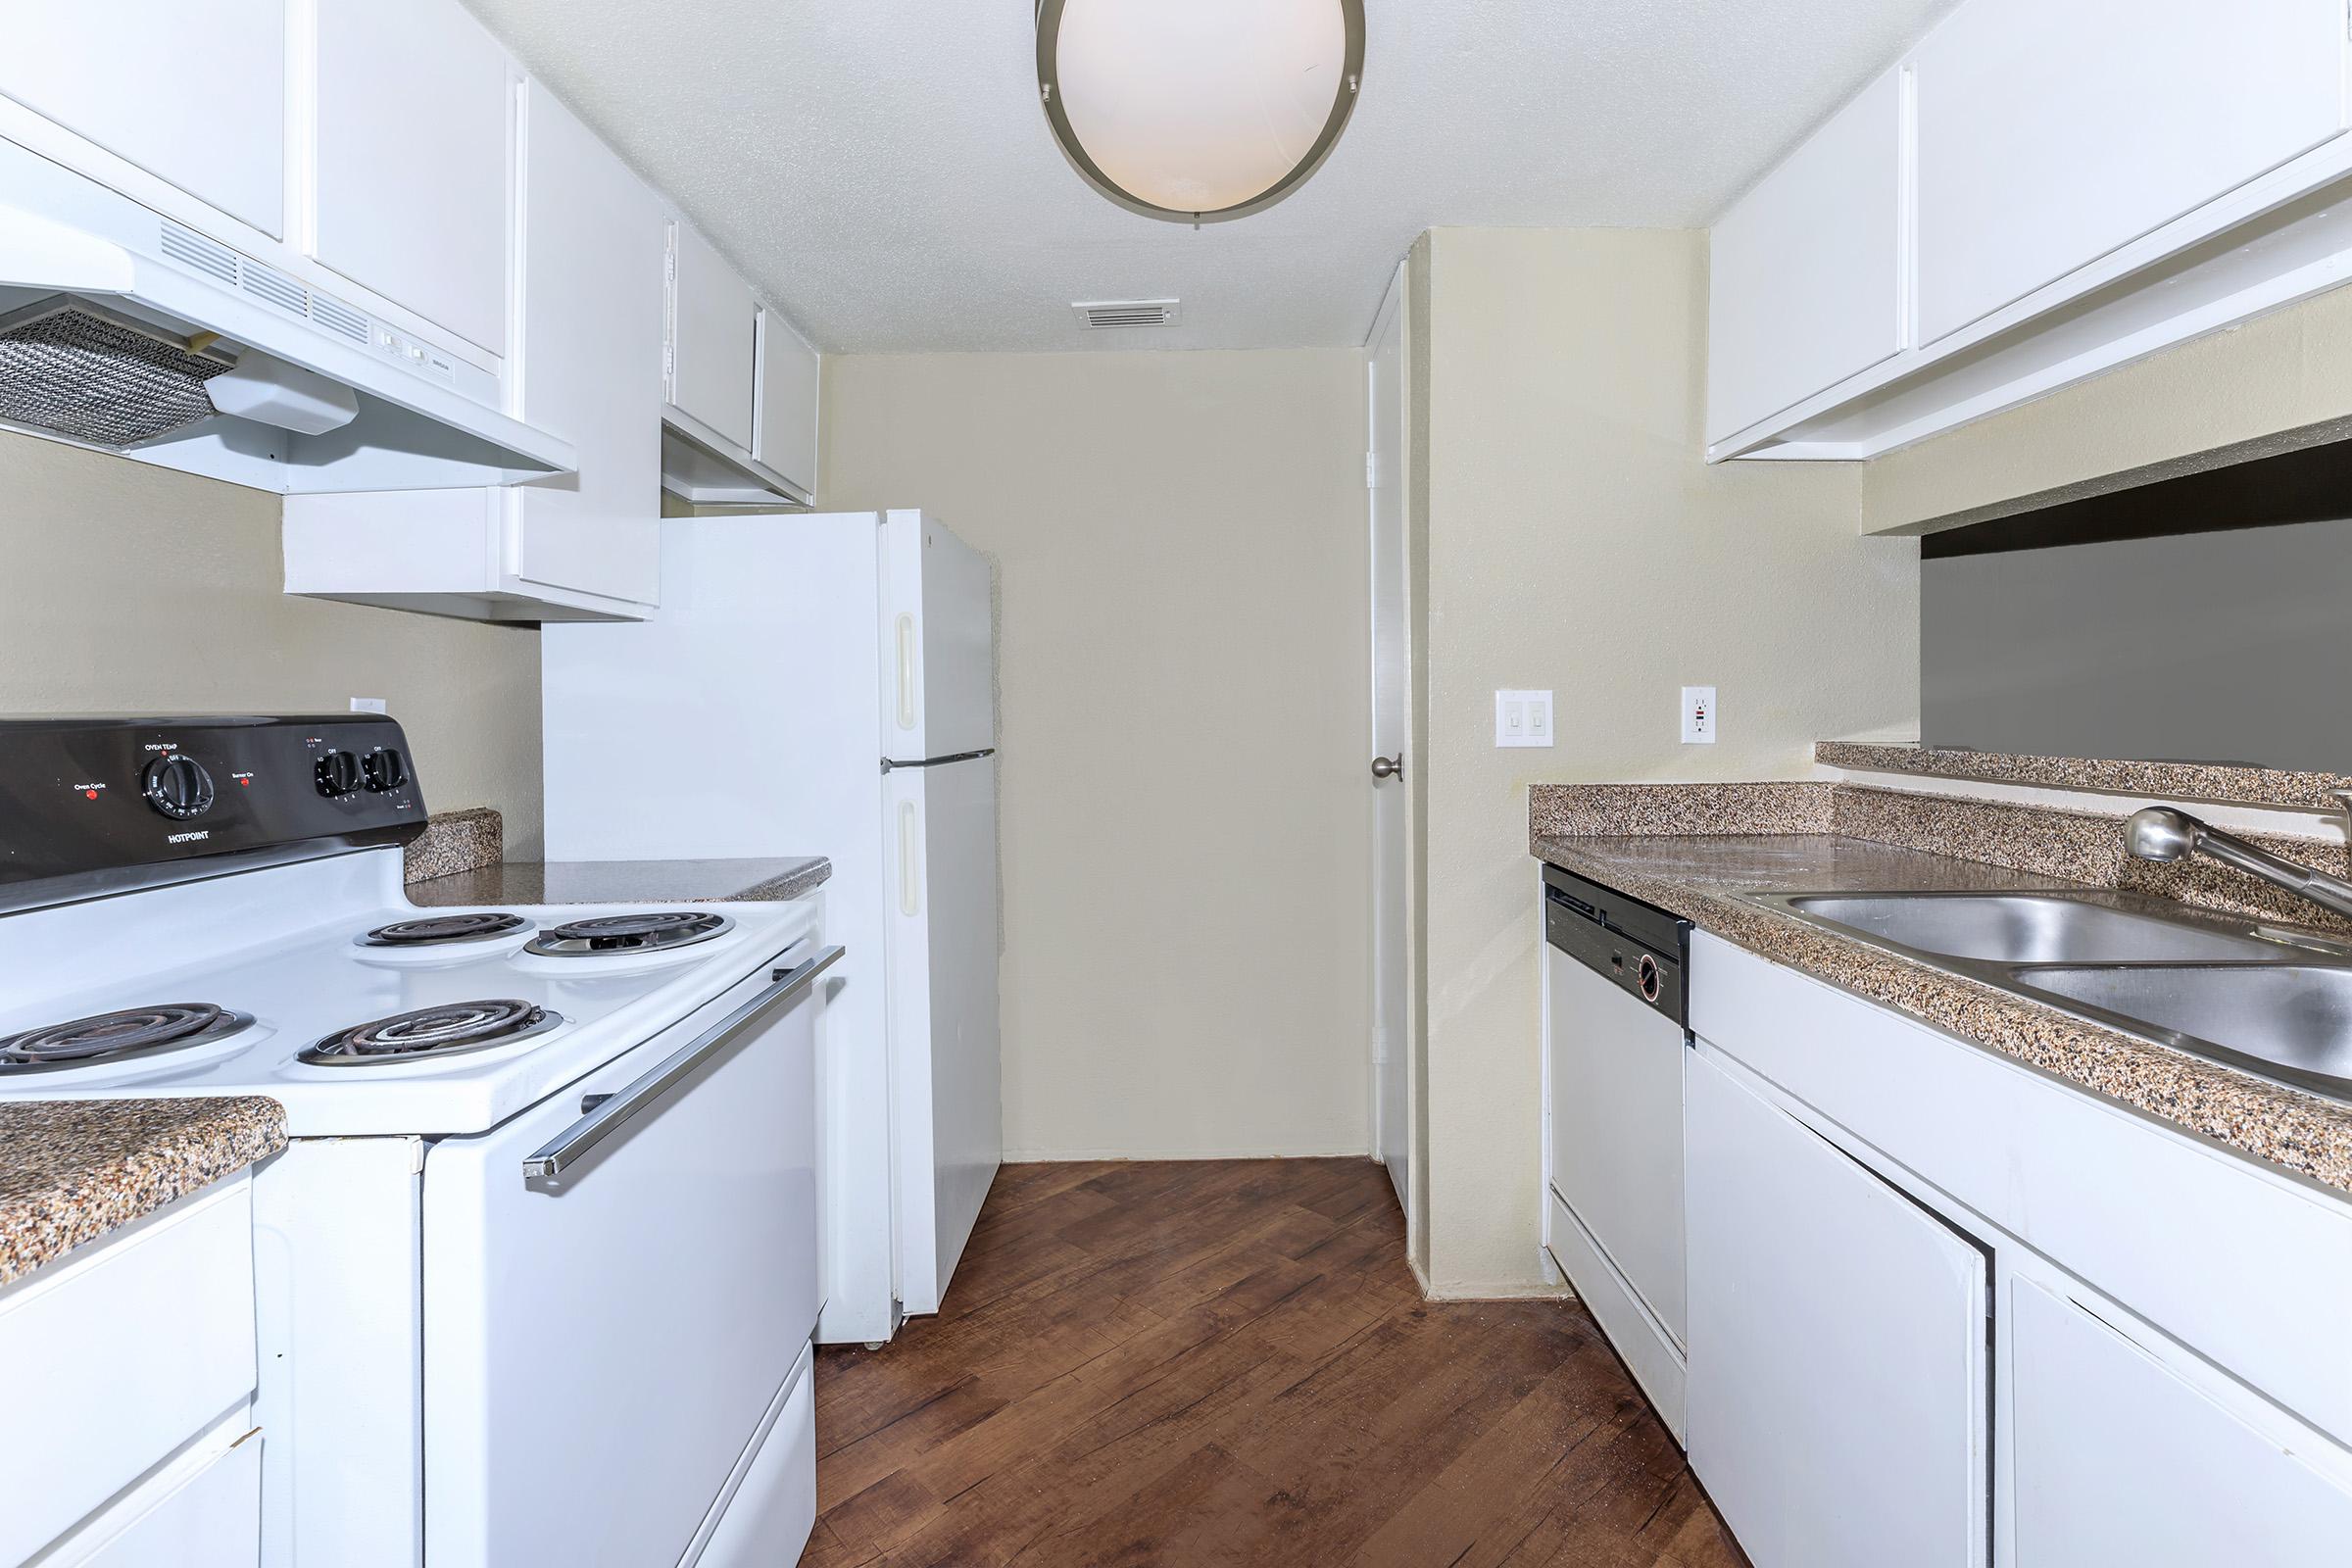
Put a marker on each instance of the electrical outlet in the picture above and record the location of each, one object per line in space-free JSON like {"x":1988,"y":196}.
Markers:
{"x":1698,"y":715}
{"x":1523,"y":718}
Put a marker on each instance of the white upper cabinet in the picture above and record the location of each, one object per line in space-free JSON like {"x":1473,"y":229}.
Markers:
{"x":587,"y":366}
{"x":1806,"y":270}
{"x":714,"y":326}
{"x":788,"y":401}
{"x":590,"y":356}
{"x":413,"y":108}
{"x":2050,"y":134}
{"x":2037,"y":193}
{"x":193,"y":94}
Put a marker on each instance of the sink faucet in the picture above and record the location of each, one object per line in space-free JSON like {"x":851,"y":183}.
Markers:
{"x":2160,"y":833}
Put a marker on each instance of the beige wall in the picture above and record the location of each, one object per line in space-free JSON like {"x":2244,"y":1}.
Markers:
{"x":2280,"y":380}
{"x":125,"y":588}
{"x":1577,"y":542}
{"x":1181,"y":547}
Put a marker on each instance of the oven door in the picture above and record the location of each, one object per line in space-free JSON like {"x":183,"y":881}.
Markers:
{"x":605,"y":1336}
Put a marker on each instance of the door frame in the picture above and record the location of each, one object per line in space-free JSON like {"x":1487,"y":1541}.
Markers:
{"x":1394,"y":313}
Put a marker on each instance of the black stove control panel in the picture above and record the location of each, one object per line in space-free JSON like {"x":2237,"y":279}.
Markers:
{"x":89,"y":806}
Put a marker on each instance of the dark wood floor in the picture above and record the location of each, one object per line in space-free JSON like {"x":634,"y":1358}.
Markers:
{"x":1175,"y":1364}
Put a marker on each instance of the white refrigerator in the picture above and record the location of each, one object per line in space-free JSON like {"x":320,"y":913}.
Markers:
{"x":825,"y":684}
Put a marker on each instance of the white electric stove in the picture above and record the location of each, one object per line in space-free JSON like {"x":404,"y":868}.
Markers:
{"x":537,"y":1272}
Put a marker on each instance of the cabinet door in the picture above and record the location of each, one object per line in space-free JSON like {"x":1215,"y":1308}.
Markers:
{"x":194,"y":95}
{"x":212,"y":1520}
{"x":588,"y":361}
{"x":2051,"y":134}
{"x":714,"y":335}
{"x":788,"y":396}
{"x":1837,"y":1347}
{"x":412,"y":160}
{"x":2120,"y":1459}
{"x":1805,"y":272}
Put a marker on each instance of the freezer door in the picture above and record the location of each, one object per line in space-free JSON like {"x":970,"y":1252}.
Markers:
{"x":938,"y":642}
{"x":943,"y":1013}
{"x":601,"y":1349}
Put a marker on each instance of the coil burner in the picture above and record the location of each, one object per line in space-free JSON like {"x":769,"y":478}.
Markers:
{"x":449,"y":1030}
{"x":118,"y":1036}
{"x":436,"y":930}
{"x":653,"y":931}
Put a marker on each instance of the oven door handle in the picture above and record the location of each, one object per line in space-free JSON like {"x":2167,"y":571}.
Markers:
{"x":606,"y":1114}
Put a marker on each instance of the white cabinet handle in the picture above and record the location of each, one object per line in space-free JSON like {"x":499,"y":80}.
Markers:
{"x":906,"y":672}
{"x":909,"y":873}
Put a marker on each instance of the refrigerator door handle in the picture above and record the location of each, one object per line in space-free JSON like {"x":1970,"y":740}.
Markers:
{"x":910,"y":874}
{"x":906,"y":672}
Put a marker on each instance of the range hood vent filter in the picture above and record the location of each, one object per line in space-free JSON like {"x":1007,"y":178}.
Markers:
{"x":68,"y":370}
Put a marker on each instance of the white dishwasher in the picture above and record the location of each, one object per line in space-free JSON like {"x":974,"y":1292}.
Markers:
{"x":1615,"y":1039}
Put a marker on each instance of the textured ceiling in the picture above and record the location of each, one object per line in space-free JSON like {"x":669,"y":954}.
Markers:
{"x":883,"y":171}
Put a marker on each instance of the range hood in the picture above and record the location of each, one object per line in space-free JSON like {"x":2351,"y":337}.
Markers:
{"x":125,"y":331}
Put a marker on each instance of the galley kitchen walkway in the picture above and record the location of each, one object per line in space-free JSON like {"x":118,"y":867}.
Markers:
{"x":1180,"y":1364}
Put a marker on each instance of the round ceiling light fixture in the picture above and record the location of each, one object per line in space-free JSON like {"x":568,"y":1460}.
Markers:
{"x":1199,"y":111}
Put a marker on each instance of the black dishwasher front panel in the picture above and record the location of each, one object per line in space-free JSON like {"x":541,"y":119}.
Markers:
{"x":1637,"y":945}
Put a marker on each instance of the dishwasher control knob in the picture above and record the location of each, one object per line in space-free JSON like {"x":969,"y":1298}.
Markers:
{"x":338,"y":773}
{"x":383,"y":769}
{"x":1646,"y":972}
{"x":179,"y":787}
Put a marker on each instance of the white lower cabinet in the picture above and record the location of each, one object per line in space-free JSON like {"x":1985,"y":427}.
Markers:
{"x":210,"y":1519}
{"x":2162,"y":1356}
{"x":128,"y":1367}
{"x":2116,"y":1457}
{"x":1839,"y":1359}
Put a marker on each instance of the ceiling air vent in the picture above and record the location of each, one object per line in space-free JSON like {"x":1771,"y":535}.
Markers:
{"x":1097,"y":315}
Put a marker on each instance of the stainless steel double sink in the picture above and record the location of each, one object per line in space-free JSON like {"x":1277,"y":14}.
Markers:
{"x":2267,"y":998}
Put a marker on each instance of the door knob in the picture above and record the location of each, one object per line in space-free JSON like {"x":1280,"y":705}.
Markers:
{"x":1385,"y":767}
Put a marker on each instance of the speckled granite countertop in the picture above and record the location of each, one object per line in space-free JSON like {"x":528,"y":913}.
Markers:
{"x":625,"y":882}
{"x":1700,"y":876}
{"x":71,"y":1170}
{"x":2239,"y":782}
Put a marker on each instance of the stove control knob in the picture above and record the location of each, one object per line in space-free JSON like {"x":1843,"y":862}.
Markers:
{"x":179,"y":787}
{"x":383,"y":769}
{"x":338,"y":773}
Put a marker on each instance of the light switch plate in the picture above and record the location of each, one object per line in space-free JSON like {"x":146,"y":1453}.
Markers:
{"x":1523,"y":718}
{"x":1698,"y":715}
{"x":367,"y":705}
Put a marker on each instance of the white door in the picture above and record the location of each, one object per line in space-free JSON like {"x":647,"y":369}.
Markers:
{"x":194,"y":95}
{"x":939,"y":642}
{"x":412,"y":157}
{"x":1392,"y":1131}
{"x":592,"y":251}
{"x":946,"y":1073}
{"x":600,"y":1351}
{"x":2119,"y":1458}
{"x":2050,"y":134}
{"x":1838,"y":1384}
{"x":714,"y":337}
